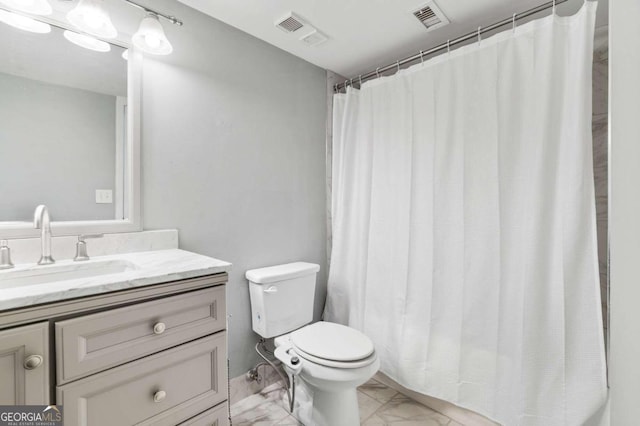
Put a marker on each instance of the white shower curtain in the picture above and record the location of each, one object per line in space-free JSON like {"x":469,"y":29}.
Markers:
{"x":464,"y":237}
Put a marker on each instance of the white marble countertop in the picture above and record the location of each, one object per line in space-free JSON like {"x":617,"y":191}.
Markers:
{"x":151,"y":267}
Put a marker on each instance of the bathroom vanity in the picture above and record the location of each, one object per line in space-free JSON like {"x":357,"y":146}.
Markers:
{"x":136,"y":334}
{"x":146,"y":345}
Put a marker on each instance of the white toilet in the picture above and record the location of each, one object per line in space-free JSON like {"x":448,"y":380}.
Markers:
{"x":330,"y":359}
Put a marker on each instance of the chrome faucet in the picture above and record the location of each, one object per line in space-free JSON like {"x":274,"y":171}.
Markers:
{"x":42,"y":221}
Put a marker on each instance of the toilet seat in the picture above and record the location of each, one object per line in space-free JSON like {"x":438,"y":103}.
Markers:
{"x":333,"y":345}
{"x":336,"y":364}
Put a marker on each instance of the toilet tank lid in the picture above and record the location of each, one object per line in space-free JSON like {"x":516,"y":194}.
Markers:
{"x":281,"y":272}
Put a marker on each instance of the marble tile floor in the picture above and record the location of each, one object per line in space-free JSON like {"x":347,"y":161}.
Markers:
{"x":379,"y":406}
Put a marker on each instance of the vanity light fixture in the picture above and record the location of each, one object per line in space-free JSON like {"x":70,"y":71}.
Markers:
{"x":150,"y":37}
{"x":34,"y":7}
{"x":91,"y":17}
{"x":24,"y":23}
{"x":87,"y":41}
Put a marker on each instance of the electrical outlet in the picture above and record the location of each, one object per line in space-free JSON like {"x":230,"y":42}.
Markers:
{"x":104,"y":196}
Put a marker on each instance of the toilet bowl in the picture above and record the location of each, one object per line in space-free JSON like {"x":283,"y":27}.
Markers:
{"x":329,"y":361}
{"x":332,"y":360}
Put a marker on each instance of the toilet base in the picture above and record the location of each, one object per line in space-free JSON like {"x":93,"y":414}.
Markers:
{"x":315,"y":407}
{"x":335,"y":408}
{"x":325,"y":395}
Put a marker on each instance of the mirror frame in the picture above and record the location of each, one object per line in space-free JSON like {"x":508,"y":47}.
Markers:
{"x":133,"y":212}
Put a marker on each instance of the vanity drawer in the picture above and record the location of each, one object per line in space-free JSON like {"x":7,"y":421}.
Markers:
{"x":163,"y":389}
{"x":218,"y":416}
{"x":93,"y":343}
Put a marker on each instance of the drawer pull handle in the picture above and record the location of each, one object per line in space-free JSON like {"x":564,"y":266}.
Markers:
{"x":32,"y":362}
{"x":159,"y":328}
{"x":159,"y":396}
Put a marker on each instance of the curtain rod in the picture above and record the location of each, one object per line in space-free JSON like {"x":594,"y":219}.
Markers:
{"x":447,"y":45}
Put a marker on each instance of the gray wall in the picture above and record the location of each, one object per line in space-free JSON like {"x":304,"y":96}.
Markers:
{"x":624,"y":214}
{"x":57,"y":146}
{"x":233,"y":152}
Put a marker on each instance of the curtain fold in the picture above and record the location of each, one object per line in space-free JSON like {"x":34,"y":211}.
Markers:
{"x":464,"y":239}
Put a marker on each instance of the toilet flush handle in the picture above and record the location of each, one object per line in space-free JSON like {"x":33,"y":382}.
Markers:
{"x":271,"y":289}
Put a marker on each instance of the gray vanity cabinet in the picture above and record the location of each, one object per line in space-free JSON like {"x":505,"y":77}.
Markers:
{"x":153,"y":355}
{"x":24,"y":365}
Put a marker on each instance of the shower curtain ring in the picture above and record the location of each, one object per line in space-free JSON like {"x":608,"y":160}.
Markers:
{"x":398,"y":65}
{"x":479,"y":35}
{"x":513,"y":22}
{"x":553,"y":9}
{"x":421,"y":58}
{"x":346,"y":84}
{"x":448,"y":46}
{"x":360,"y":81}
{"x":378,"y":72}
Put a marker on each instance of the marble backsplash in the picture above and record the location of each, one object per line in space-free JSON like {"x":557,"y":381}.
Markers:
{"x":27,"y":250}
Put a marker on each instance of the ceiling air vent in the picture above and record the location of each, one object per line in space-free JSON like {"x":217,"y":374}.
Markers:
{"x":314,"y":38}
{"x":297,"y":27}
{"x":431,"y":16}
{"x":290,"y":23}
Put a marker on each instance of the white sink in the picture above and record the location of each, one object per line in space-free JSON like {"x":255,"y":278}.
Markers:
{"x":34,"y":275}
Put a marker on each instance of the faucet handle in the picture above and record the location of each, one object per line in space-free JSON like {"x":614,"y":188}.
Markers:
{"x":81,"y":246}
{"x":5,"y":255}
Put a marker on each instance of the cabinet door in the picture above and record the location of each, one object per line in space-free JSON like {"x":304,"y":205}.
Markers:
{"x":24,"y":365}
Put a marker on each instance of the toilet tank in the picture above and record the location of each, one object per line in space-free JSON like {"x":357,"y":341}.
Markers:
{"x":282,"y":297}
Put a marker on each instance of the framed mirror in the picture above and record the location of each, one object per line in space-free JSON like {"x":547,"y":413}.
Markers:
{"x":69,"y":134}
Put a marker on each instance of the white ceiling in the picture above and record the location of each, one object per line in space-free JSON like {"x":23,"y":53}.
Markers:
{"x":365,"y":34}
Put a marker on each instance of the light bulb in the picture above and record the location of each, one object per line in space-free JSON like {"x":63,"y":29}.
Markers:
{"x":91,"y":17}
{"x":93,"y":20}
{"x":24,"y":23}
{"x":152,"y":41}
{"x":150,"y":37}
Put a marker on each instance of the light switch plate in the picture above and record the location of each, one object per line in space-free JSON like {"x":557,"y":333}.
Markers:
{"x":104,"y":196}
